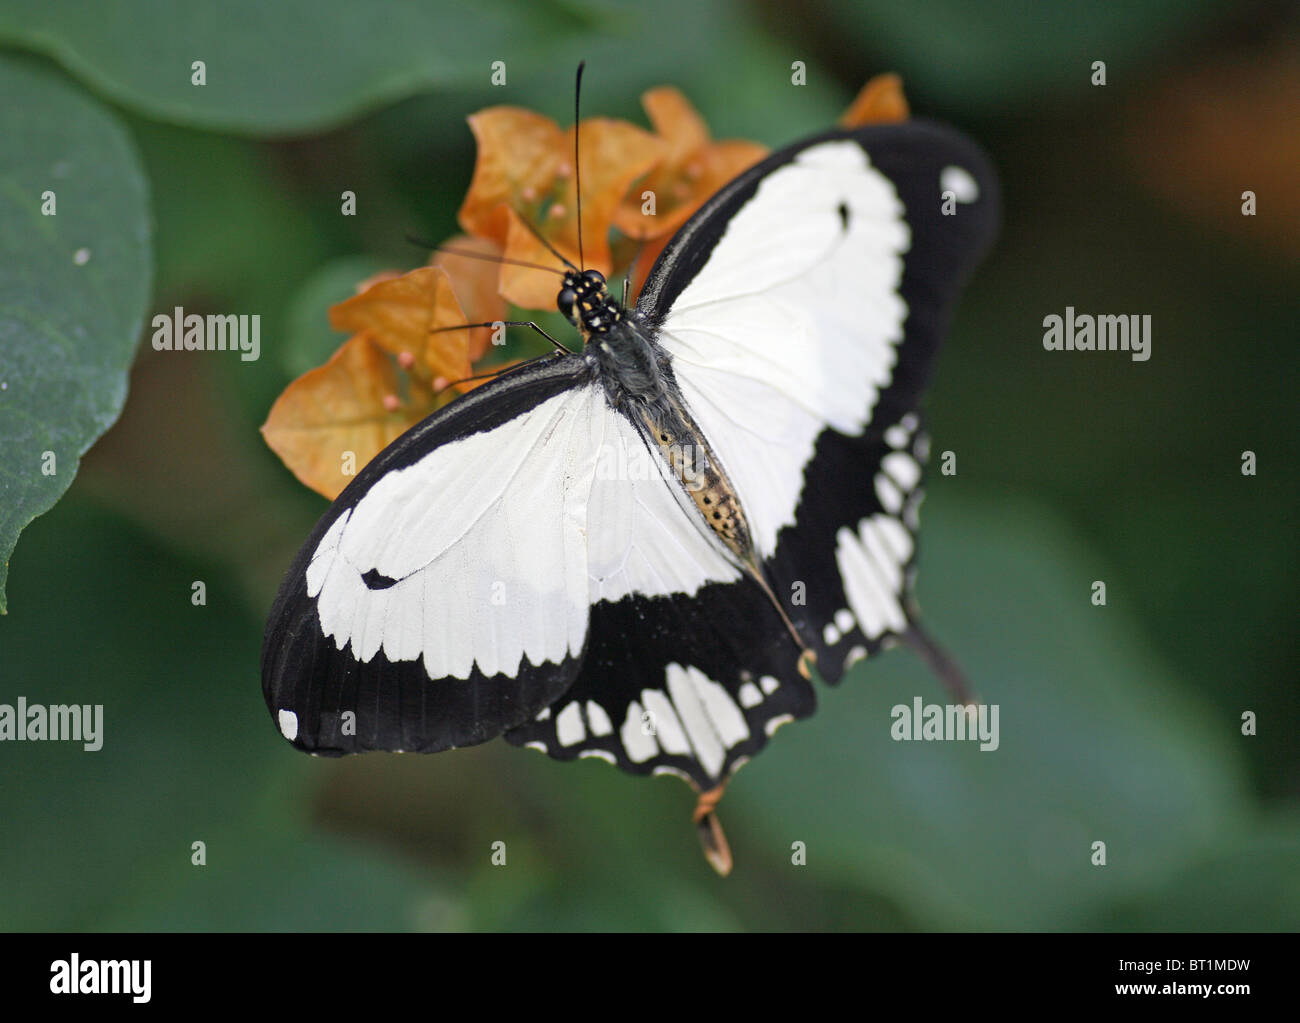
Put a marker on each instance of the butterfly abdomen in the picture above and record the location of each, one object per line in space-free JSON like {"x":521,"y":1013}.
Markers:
{"x":680,"y":443}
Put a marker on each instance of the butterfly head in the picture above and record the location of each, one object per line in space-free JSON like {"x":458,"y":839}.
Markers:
{"x":586,"y":302}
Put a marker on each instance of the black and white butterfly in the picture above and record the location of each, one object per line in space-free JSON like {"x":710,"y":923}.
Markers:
{"x":638,"y":551}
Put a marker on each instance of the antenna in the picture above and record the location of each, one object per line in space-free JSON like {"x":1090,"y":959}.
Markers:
{"x":577,"y":165}
{"x":541,"y":238}
{"x":425,"y":244}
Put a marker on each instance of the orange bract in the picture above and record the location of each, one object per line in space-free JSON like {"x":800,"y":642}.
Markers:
{"x":337,"y":417}
{"x":379,"y":384}
{"x":694,"y":167}
{"x":475,"y":282}
{"x":400,"y":316}
{"x":525,"y":170}
{"x":880,"y":101}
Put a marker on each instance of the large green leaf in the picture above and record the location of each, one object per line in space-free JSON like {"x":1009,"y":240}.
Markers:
{"x":103,"y":839}
{"x":298,"y":66}
{"x":1007,"y":53}
{"x":1097,"y":744}
{"x":73,"y":286}
{"x":291,"y":66}
{"x":1251,"y":883}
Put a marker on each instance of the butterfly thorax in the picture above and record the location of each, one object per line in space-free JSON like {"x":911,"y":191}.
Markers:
{"x":639,"y":382}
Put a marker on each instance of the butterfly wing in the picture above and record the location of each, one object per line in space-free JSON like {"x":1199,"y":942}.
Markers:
{"x":443,"y":596}
{"x":803,"y":306}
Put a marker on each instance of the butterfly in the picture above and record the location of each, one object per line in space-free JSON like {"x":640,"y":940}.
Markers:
{"x":641,"y":551}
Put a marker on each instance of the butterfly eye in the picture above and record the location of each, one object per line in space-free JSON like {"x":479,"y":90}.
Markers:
{"x":594,"y":277}
{"x":564,"y":302}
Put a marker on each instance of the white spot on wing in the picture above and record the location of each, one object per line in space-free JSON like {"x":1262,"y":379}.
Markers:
{"x":668,"y":729}
{"x":844,"y":619}
{"x":695,"y":718}
{"x":870,"y":569}
{"x":898,"y":538}
{"x":903,"y":469}
{"x":959,"y":181}
{"x":639,"y":745}
{"x":776,"y":722}
{"x":598,"y":719}
{"x":830,"y":634}
{"x":569,"y":726}
{"x":891,"y":498}
{"x":726,"y":717}
{"x":896,"y":436}
{"x":288,"y":722}
{"x":769,"y":684}
{"x":750,"y":696}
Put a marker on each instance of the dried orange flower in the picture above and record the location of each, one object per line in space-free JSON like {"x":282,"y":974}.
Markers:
{"x":524,"y":175}
{"x":335,"y":418}
{"x":693,"y":168}
{"x":881,"y":101}
{"x":387,"y":377}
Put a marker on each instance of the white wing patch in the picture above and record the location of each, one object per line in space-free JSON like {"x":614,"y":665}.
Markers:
{"x":491,"y":548}
{"x":691,"y":716}
{"x":873,"y":561}
{"x":647,"y":541}
{"x":958,"y":181}
{"x":569,"y":726}
{"x":793,"y":324}
{"x":288,"y":722}
{"x":485,"y":538}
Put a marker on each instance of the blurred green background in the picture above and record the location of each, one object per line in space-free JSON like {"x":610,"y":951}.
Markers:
{"x":1119,"y":724}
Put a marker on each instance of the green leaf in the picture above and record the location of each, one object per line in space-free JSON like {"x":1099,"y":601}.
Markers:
{"x":1005,"y":53}
{"x":1097,"y":743}
{"x":188,"y":754}
{"x":301,"y":66}
{"x":292,"y":66}
{"x":73,"y":286}
{"x":292,"y":882}
{"x":1249,"y":884}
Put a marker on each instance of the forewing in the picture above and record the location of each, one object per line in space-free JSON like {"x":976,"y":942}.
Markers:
{"x":443,"y":598}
